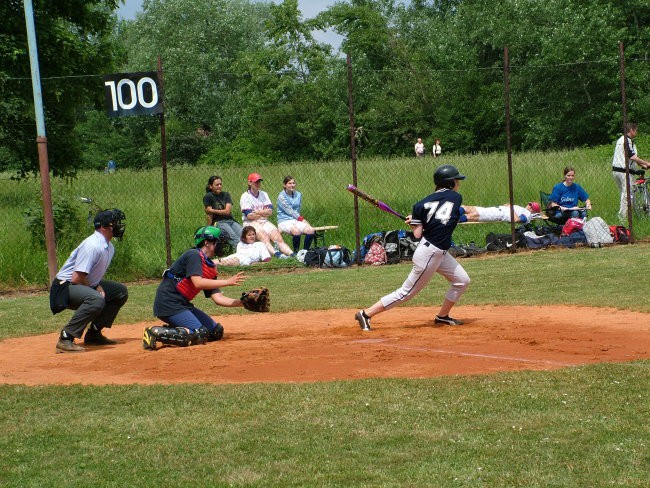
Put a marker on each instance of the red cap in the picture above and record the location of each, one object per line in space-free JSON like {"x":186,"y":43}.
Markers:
{"x":535,"y":207}
{"x":253,"y":177}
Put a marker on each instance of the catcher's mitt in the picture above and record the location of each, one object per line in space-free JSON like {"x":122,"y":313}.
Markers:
{"x":257,"y":299}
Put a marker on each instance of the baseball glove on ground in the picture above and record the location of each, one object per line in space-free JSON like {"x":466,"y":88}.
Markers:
{"x":257,"y":299}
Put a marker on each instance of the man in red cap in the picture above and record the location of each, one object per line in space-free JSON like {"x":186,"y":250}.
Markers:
{"x":500,"y":214}
{"x":256,"y":208}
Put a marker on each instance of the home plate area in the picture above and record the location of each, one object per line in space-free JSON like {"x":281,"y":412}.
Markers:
{"x":327,"y":345}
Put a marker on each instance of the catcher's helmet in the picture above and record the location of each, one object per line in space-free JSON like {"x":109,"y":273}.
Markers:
{"x":446,"y":173}
{"x":114,"y":217}
{"x":209,"y":233}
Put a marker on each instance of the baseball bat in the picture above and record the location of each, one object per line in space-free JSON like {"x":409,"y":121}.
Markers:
{"x":374,"y":201}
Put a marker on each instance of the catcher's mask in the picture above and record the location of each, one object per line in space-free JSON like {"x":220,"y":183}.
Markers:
{"x":208,"y":233}
{"x":111,"y":217}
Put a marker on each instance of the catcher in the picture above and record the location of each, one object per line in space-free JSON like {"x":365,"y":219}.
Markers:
{"x":192,"y":272}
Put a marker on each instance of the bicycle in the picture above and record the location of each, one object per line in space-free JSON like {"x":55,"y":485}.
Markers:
{"x":641,"y":194}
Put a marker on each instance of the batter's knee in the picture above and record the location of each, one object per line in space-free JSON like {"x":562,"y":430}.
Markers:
{"x":457,"y":288}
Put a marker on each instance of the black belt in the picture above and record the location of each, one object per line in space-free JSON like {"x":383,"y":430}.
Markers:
{"x":618,"y":170}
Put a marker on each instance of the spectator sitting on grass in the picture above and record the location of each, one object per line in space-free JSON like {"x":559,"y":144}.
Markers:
{"x":248,"y":251}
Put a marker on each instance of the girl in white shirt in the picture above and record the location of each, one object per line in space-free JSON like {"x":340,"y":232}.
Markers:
{"x":248,"y":250}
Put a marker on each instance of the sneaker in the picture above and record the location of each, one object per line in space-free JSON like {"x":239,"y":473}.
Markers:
{"x":447,"y":320}
{"x":148,"y":340}
{"x":364,"y":322}
{"x":68,"y":345}
{"x":284,"y":256}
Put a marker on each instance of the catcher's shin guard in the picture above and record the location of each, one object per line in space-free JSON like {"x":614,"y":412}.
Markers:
{"x":216,"y":334}
{"x":173,"y":336}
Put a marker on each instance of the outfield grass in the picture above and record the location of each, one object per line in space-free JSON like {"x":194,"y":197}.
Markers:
{"x":578,"y":427}
{"x":400,"y":182}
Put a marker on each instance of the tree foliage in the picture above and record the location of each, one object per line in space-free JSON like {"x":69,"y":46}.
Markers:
{"x":74,"y":48}
{"x":247,"y":81}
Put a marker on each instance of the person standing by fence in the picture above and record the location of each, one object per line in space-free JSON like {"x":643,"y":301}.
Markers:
{"x":436,"y":150}
{"x":618,"y":166}
{"x":419,"y":148}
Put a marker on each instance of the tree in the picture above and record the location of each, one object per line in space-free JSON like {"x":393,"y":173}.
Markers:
{"x":74,"y":49}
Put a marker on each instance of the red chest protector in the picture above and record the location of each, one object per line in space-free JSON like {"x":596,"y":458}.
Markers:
{"x":185,"y":286}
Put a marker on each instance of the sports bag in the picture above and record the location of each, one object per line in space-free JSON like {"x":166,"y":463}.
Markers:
{"x":337,"y":257}
{"x":407,"y":245}
{"x":499,"y":242}
{"x":573,"y":224}
{"x":597,"y":231}
{"x":376,"y":255}
{"x":620,"y":234}
{"x":391,"y":245}
{"x":315,"y":257}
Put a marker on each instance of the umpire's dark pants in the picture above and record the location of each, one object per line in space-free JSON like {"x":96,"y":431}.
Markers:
{"x":92,"y":307}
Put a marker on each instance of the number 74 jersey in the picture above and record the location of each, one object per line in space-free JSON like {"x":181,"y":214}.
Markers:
{"x":438,"y":215}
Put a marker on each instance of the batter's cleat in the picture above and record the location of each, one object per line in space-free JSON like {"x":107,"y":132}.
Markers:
{"x":447,"y":320}
{"x":96,"y":338}
{"x":363,"y":319}
{"x":148,"y":340}
{"x":68,"y":345}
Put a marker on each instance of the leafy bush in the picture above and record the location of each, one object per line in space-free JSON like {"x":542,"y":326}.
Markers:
{"x":68,"y":221}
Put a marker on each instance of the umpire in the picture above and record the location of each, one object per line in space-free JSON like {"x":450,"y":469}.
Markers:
{"x":79,"y":285}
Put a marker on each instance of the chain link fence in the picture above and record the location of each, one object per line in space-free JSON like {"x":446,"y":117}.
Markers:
{"x":397,"y":181}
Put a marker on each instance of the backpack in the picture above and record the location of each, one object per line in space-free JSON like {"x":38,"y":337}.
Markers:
{"x":620,"y":234}
{"x":376,"y":255}
{"x":368,"y":240}
{"x":597,"y":231}
{"x":391,"y":245}
{"x":407,"y":245}
{"x":573,"y":224}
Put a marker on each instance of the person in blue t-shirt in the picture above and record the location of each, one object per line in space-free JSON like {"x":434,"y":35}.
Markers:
{"x":566,"y":196}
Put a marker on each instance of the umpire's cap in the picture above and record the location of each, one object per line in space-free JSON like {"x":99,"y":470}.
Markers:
{"x":446,"y":173}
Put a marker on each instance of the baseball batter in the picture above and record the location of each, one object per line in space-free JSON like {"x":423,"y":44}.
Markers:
{"x":501,"y":213}
{"x":256,"y":208}
{"x":433,"y":219}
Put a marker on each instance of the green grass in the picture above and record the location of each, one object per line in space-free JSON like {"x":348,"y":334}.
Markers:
{"x":526,"y":278}
{"x":580,"y":427}
{"x":577,"y":427}
{"x":399,"y":182}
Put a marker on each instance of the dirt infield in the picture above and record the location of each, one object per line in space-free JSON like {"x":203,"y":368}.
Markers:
{"x":327,"y":345}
